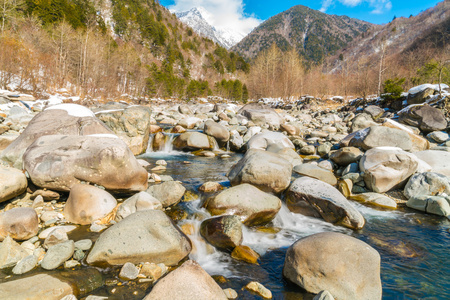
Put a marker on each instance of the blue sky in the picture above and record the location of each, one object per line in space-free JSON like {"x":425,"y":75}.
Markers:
{"x":243,"y":15}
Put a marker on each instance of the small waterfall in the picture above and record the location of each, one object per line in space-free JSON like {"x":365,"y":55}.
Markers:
{"x":150,"y":144}
{"x":168,"y":143}
{"x":228,"y":146}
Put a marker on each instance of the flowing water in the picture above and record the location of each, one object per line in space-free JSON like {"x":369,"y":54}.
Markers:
{"x":413,"y":246}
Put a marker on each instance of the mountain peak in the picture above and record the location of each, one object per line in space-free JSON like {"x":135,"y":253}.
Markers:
{"x":202,"y":22}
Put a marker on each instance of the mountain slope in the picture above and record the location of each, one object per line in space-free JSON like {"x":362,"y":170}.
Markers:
{"x":313,"y":33}
{"x":401,"y":35}
{"x":200,"y":20}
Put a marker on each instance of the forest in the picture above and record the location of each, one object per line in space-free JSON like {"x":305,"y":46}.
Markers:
{"x":139,"y":49}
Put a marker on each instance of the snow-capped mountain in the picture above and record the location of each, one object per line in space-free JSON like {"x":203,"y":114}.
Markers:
{"x":201,"y":21}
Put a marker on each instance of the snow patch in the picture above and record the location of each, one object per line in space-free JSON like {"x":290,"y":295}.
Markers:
{"x":420,"y":88}
{"x":74,"y":110}
{"x":400,"y":126}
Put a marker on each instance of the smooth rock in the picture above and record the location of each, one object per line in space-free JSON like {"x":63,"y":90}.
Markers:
{"x":375,"y":199}
{"x":58,"y":162}
{"x":219,"y":132}
{"x":271,"y":141}
{"x":210,"y":187}
{"x":316,"y":172}
{"x":252,"y":205}
{"x":382,"y":136}
{"x":315,"y":198}
{"x":324,"y":295}
{"x":245,"y":253}
{"x":259,"y":289}
{"x":425,"y":117}
{"x":265,"y":170}
{"x":438,"y":160}
{"x":438,"y":205}
{"x":140,"y":201}
{"x":21,"y":223}
{"x":128,"y":272}
{"x":427,"y":184}
{"x":25,"y":265}
{"x":38,"y":287}
{"x":55,"y":237}
{"x":57,"y":255}
{"x":192,"y":140}
{"x":188,"y":282}
{"x":261,"y":115}
{"x":13,"y":183}
{"x":349,"y":268}
{"x":168,"y":193}
{"x":362,"y":121}
{"x":87,"y":203}
{"x":223,"y":232}
{"x":346,"y":155}
{"x":145,"y":236}
{"x":10,"y":253}
{"x":387,"y":168}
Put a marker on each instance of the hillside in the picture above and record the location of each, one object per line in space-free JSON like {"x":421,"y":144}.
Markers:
{"x":401,"y":35}
{"x":109,"y":48}
{"x":313,"y":33}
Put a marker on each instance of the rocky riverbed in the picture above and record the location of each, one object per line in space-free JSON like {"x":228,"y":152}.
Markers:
{"x":311,"y":200}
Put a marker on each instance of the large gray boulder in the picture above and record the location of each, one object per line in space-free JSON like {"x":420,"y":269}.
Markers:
{"x":266,"y":170}
{"x":427,"y":184}
{"x":217,"y":131}
{"x":252,"y":205}
{"x":315,"y":198}
{"x":438,"y":160}
{"x":188,"y":282}
{"x":145,"y":236}
{"x":271,"y":141}
{"x":437,"y":205}
{"x":362,"y":121}
{"x":193,"y":140}
{"x":87,"y":203}
{"x":13,"y":183}
{"x":63,"y":119}
{"x":381,"y":136}
{"x":223,"y":232}
{"x":388,"y":168}
{"x":132,"y":125}
{"x":58,"y":162}
{"x":262,"y":115}
{"x":346,"y":267}
{"x":425,"y":117}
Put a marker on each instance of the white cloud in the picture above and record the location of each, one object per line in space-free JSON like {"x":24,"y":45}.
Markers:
{"x":379,"y":6}
{"x":225,"y":13}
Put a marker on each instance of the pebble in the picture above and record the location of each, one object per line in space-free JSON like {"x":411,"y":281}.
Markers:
{"x":129,"y":272}
{"x":230,"y":293}
{"x":57,"y":255}
{"x":25,"y":265}
{"x":85,"y":244}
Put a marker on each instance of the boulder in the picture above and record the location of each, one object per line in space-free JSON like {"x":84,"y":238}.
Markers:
{"x":418,"y":142}
{"x":271,"y":141}
{"x":168,"y":193}
{"x":139,"y":202}
{"x":437,"y":205}
{"x":316,"y":172}
{"x":223,"y":232}
{"x":188,"y":282}
{"x":438,"y":160}
{"x":427,"y":184}
{"x":374,"y":111}
{"x":387,"y":168}
{"x":145,"y":236}
{"x":190,"y":122}
{"x":261,"y":115}
{"x":40,"y":286}
{"x":265,"y":170}
{"x":87,"y":203}
{"x":192,"y":140}
{"x":381,"y":136}
{"x":58,"y":162}
{"x":132,"y":125}
{"x":217,"y":131}
{"x":63,"y":119}
{"x":291,"y":156}
{"x":13,"y":183}
{"x":21,"y":223}
{"x":362,"y":121}
{"x":346,"y":267}
{"x":346,"y":155}
{"x":252,"y":205}
{"x":420,"y":94}
{"x":425,"y":117}
{"x":315,"y":198}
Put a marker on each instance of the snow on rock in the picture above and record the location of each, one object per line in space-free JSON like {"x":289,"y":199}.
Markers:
{"x":74,"y":110}
{"x":420,"y":88}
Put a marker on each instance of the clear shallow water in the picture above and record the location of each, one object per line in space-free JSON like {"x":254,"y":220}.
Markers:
{"x":413,"y":246}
